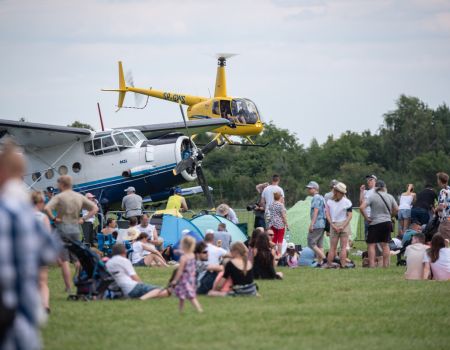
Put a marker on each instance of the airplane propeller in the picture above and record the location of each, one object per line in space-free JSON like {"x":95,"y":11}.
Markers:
{"x":194,"y":161}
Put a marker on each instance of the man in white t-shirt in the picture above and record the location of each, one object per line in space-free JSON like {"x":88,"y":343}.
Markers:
{"x":150,"y":230}
{"x":214,"y":253}
{"x":127,"y":279}
{"x":267,"y":194}
{"x":364,"y":195}
{"x":414,"y":257}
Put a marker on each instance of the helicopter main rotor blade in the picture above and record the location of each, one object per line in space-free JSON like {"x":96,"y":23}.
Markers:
{"x":204,"y":185}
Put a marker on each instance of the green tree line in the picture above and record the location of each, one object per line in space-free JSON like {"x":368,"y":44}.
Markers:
{"x":412,"y":144}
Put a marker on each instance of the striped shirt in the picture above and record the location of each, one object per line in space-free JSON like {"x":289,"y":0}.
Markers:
{"x":25,"y":246}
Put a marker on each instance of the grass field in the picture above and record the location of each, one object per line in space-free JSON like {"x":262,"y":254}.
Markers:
{"x":310,"y":309}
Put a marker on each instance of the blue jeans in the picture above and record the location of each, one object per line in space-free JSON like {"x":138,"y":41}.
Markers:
{"x":140,"y":289}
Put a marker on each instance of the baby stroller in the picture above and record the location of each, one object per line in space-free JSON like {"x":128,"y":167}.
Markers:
{"x":92,"y":279}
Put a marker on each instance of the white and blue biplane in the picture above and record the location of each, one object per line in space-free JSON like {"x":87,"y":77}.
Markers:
{"x":105,"y":163}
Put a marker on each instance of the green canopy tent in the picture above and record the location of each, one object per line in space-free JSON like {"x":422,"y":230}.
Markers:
{"x":299,"y":220}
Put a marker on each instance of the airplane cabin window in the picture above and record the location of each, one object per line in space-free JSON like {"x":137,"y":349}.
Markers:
{"x":140,"y":135}
{"x":76,"y":167}
{"x":132,"y":137}
{"x":122,"y":141}
{"x":36,"y":176}
{"x":88,"y":146}
{"x":49,"y":174}
{"x":62,"y":170}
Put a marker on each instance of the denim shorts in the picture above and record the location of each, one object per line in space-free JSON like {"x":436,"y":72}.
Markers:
{"x":140,"y":289}
{"x":140,"y":263}
{"x":404,"y":214}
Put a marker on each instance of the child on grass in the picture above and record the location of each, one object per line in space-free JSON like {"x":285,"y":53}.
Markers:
{"x":184,"y":282}
{"x":291,"y":255}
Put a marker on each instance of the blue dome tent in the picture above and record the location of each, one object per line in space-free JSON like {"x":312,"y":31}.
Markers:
{"x":205,"y":222}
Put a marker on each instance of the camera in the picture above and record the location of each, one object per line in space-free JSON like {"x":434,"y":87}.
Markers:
{"x":251,"y":207}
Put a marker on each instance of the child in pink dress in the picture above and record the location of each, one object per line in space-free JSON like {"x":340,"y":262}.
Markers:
{"x":184,"y":282}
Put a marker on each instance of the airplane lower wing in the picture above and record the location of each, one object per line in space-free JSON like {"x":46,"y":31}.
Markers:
{"x":41,"y":135}
{"x":195,"y":127}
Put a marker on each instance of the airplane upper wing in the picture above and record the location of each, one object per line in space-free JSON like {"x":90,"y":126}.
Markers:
{"x":40,"y":135}
{"x":195,"y":127}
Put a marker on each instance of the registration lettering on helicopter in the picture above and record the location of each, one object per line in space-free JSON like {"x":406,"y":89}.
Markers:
{"x":174,"y":97}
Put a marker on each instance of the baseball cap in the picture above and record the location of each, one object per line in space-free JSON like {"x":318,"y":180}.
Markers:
{"x":177,"y":189}
{"x":185,"y":232}
{"x":371,"y":177}
{"x":50,"y":189}
{"x":130,"y":189}
{"x":209,"y":231}
{"x":380,"y":184}
{"x":290,"y":245}
{"x":313,"y":184}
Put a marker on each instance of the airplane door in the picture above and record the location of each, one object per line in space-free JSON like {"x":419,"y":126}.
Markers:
{"x":149,"y":153}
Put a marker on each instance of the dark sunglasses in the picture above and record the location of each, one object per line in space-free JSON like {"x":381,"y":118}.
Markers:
{"x":205,"y":252}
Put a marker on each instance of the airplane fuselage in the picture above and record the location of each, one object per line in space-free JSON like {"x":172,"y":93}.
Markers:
{"x":108,"y":162}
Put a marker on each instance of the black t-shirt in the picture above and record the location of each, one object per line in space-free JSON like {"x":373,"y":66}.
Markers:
{"x":425,"y":199}
{"x":237,"y":276}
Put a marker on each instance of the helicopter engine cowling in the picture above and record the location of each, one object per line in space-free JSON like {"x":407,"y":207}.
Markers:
{"x":184,"y":148}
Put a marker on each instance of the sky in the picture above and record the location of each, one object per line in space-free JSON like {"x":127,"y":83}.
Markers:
{"x":317,"y":68}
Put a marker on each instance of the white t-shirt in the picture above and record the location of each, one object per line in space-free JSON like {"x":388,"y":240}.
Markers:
{"x":122,"y":270}
{"x":148,"y":230}
{"x":268,"y":192}
{"x":214,"y":253}
{"x":338,"y":210}
{"x":441,"y":267}
{"x":367,"y":194}
{"x":138,"y":252}
{"x":414,"y":261}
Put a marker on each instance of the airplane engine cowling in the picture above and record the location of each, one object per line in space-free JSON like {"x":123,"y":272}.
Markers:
{"x":183,"y":149}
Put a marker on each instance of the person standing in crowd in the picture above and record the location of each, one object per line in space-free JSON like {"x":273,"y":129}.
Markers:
{"x":414,"y":257}
{"x":317,"y":225}
{"x":258,"y":208}
{"x":443,"y":208}
{"x":222,"y":235}
{"x":68,"y":205}
{"x":383,"y":207}
{"x":176,"y":200}
{"x":88,"y":224}
{"x":404,"y":213}
{"x":184,"y":282}
{"x":278,"y":220}
{"x":38,"y":201}
{"x":363,"y":195}
{"x":267,"y":196}
{"x":330,"y":194}
{"x":227,"y":212}
{"x":423,"y":205}
{"x":127,"y":279}
{"x":25,"y":246}
{"x":132,"y":203}
{"x":437,"y":259}
{"x":339,"y":214}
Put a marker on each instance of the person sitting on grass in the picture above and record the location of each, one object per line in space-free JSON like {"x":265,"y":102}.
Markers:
{"x":111,"y":226}
{"x":252,"y":242}
{"x":291,"y":255}
{"x":308,"y":258}
{"x":127,"y":279}
{"x":437,"y":259}
{"x":205,"y":273}
{"x":184,"y":281}
{"x":145,"y":254}
{"x":414,"y":257}
{"x":240,"y":271}
{"x":264,"y":261}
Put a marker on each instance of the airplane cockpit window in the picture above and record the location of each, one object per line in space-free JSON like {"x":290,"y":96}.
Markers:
{"x":122,"y":140}
{"x":132,"y":137}
{"x":113,"y":141}
{"x":244,"y":111}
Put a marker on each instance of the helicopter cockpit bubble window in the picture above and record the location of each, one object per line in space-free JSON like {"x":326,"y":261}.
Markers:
{"x":244,"y":111}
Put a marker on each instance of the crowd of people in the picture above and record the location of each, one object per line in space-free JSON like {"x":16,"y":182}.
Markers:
{"x":215,"y":265}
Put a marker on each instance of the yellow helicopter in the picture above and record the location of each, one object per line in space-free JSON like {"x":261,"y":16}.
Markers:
{"x":244,"y":117}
